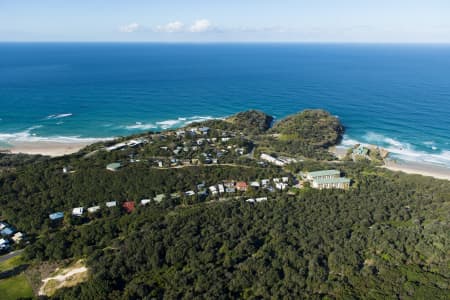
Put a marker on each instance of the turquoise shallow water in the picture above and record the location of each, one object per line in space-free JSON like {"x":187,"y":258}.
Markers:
{"x":396,"y":96}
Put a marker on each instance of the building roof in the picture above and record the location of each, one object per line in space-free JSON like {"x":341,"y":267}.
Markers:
{"x":241,"y":184}
{"x":159,"y":197}
{"x":56,"y":215}
{"x":113,"y":166}
{"x":78,"y":211}
{"x":7,"y":231}
{"x":111,"y":203}
{"x":332,"y":180}
{"x":324,"y":173}
{"x":93,"y":209}
{"x":128,"y":206}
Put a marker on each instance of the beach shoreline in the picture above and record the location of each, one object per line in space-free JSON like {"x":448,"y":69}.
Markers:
{"x":419,"y":168}
{"x":47,"y":148}
{"x":408,"y":167}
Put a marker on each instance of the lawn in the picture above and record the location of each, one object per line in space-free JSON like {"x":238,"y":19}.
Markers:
{"x":11,"y":263}
{"x":15,"y":287}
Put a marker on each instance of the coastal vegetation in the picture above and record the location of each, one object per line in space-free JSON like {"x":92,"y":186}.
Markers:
{"x":384,"y":238}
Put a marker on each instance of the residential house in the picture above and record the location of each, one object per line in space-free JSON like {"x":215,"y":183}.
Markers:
{"x":7,"y":231}
{"x":18,"y":237}
{"x":221,"y":188}
{"x":93,"y":209}
{"x":255,"y":184}
{"x":56,"y":216}
{"x":111,"y":204}
{"x":241,"y":186}
{"x":4,"y":244}
{"x":145,"y":201}
{"x":129,"y":206}
{"x":77,"y":211}
{"x":273,"y":160}
{"x":113,"y":167}
{"x":159,"y":198}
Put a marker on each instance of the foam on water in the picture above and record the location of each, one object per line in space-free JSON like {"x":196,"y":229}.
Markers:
{"x":400,"y":150}
{"x":58,"y":116}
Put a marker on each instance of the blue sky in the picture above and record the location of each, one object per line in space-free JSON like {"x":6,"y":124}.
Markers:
{"x":411,"y":21}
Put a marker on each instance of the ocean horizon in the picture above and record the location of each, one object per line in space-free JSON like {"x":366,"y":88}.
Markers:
{"x":394,"y":96}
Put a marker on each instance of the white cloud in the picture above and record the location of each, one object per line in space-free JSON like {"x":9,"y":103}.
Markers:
{"x":132,"y":27}
{"x":171,"y":27}
{"x":200,"y":26}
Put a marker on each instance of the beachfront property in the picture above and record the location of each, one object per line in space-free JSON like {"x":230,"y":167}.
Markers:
{"x":113,"y":167}
{"x":130,"y":143}
{"x":328,"y":179}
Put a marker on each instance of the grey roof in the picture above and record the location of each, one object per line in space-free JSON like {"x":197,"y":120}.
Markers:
{"x":324,"y":173}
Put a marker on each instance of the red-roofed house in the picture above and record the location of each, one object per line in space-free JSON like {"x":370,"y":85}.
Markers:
{"x":128,"y":206}
{"x":241,"y":186}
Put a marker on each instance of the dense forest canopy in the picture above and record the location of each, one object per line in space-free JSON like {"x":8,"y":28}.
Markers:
{"x":313,"y":127}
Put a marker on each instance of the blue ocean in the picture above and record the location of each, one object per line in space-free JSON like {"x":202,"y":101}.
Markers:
{"x":395,"y":96}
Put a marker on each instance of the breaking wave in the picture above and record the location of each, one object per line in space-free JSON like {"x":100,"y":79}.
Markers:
{"x":58,"y":116}
{"x":28,"y":136}
{"x":169,"y":124}
{"x":401,"y":150}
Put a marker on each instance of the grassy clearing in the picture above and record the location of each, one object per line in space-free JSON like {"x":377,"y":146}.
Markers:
{"x":11,"y":263}
{"x":15,"y":287}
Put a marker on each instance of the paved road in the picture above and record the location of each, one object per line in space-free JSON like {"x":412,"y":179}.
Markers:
{"x":10,"y":255}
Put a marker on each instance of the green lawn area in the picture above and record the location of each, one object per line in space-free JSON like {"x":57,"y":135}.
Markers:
{"x":15,"y":287}
{"x":11,"y":263}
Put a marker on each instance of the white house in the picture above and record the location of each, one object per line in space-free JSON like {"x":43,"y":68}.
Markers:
{"x":281,"y":186}
{"x":145,"y":201}
{"x":111,"y":204}
{"x":261,"y":199}
{"x":93,"y":209}
{"x":213,"y":190}
{"x":255,"y":184}
{"x":77,"y":211}
{"x":17,"y":237}
{"x":273,"y":160}
{"x":221,"y":188}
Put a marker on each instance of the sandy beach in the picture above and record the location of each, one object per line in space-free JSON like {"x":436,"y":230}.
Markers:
{"x":418,"y":168}
{"x":50,"y":148}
